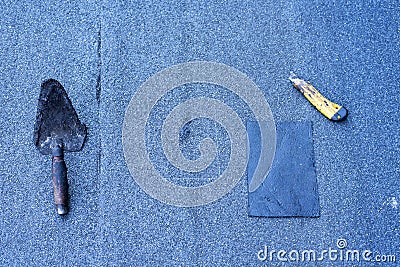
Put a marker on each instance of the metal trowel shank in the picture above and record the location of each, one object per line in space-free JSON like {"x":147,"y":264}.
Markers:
{"x":57,"y":129}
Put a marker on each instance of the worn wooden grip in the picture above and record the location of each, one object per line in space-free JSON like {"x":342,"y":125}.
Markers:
{"x":60,"y":183}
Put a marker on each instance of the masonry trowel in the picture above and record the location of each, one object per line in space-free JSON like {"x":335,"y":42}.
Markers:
{"x":57,"y":129}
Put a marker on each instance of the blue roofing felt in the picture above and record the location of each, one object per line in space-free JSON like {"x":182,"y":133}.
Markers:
{"x":102,"y":52}
{"x":290,"y":187}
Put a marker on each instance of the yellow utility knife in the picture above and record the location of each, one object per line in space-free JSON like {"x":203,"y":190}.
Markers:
{"x":329,"y":109}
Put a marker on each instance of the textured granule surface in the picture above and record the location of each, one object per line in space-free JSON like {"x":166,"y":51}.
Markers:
{"x":103,"y":51}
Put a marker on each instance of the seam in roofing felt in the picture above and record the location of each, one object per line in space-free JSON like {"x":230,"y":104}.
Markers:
{"x":99,"y":63}
{"x":100,"y":203}
{"x":98,"y":93}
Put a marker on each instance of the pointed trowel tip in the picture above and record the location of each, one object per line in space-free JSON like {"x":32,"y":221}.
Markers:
{"x":50,"y":81}
{"x":62,"y":209}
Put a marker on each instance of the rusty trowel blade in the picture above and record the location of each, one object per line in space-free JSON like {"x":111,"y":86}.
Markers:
{"x":56,"y":120}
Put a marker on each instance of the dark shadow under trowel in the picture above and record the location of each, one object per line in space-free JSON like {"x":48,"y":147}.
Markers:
{"x":290,"y":188}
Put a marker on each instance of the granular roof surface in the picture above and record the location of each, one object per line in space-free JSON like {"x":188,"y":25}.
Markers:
{"x":103,"y":51}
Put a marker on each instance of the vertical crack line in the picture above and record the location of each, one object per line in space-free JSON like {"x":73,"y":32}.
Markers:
{"x":98,"y":158}
{"x":98,"y":96}
{"x":99,"y":63}
{"x":99,"y":149}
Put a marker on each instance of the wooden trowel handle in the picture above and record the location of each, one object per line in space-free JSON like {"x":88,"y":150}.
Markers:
{"x":60,"y":182}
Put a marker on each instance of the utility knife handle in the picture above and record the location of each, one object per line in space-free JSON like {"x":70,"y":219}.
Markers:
{"x":329,"y":109}
{"x":60,"y":181}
